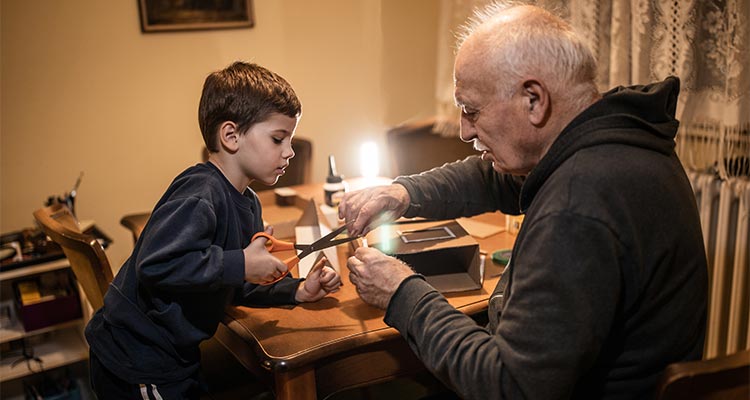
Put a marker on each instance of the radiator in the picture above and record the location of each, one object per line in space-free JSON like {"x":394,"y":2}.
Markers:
{"x":724,"y":207}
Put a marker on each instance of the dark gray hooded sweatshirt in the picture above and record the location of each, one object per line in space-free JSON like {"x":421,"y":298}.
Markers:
{"x":607,"y":282}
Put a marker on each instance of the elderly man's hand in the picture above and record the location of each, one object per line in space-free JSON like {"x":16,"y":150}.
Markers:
{"x":365,"y":209}
{"x":376,"y":275}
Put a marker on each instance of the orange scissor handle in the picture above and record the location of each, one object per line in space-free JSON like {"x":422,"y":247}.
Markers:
{"x":272,"y":245}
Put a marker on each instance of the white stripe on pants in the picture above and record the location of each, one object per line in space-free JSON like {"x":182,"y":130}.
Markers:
{"x":154,"y":391}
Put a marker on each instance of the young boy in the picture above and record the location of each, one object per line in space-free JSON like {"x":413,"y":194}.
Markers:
{"x":193,"y":257}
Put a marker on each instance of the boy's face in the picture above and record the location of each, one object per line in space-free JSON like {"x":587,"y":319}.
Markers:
{"x":264,"y":151}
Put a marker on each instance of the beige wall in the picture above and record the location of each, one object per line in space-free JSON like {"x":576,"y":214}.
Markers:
{"x":84,"y":90}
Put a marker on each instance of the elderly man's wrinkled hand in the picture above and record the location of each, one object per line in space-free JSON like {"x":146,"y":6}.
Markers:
{"x":376,"y":275}
{"x":364,"y":210}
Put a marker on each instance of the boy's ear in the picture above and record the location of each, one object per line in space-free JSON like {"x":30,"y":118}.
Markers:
{"x":229,"y":135}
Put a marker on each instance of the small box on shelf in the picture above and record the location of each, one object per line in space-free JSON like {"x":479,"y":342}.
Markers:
{"x":47,"y":299}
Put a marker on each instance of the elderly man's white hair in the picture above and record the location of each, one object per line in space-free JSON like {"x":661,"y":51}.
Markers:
{"x":482,"y":15}
{"x":536,"y":43}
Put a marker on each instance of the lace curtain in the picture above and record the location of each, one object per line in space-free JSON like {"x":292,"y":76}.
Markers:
{"x":704,"y":42}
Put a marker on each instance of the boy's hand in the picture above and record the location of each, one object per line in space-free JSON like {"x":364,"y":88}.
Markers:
{"x":320,"y":281}
{"x":260,"y":266}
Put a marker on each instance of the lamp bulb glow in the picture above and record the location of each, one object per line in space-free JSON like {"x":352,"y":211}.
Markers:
{"x":369,"y":160}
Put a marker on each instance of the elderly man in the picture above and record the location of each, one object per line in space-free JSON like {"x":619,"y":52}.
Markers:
{"x":607,"y":282}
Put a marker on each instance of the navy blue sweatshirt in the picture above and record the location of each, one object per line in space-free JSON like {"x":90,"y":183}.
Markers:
{"x":186,"y":268}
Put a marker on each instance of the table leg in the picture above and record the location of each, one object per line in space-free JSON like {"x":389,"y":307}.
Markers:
{"x":296,"y":385}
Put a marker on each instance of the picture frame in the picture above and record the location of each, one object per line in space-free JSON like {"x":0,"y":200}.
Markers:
{"x":184,"y":15}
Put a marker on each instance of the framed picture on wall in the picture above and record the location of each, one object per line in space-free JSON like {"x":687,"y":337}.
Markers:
{"x":180,"y":15}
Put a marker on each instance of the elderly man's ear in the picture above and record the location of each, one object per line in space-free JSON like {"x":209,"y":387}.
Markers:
{"x":537,"y":99}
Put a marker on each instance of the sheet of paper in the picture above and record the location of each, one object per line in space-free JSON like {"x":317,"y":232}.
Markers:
{"x":478,"y":229}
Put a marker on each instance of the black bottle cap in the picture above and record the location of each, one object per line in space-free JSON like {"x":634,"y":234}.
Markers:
{"x":334,"y":179}
{"x":333,"y":176}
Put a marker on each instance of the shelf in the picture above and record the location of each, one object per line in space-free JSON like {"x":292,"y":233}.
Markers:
{"x":34,"y":269}
{"x":16,"y":331}
{"x":61,"y":348}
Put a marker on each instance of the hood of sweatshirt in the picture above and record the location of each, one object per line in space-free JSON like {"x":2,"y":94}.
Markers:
{"x":641,"y":116}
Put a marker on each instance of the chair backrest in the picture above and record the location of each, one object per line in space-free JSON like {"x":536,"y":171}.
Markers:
{"x":85,"y":254}
{"x":135,"y":223}
{"x":724,"y":377}
{"x":415,"y":148}
{"x":298,"y":171}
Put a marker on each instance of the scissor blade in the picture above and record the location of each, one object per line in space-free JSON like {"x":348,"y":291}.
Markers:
{"x":306,"y":251}
{"x":325,"y":242}
{"x":338,"y":242}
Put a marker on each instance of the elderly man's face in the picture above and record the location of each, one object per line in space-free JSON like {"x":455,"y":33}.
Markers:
{"x":497,"y":124}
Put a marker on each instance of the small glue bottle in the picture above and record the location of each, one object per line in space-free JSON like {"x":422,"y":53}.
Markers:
{"x":335,"y":186}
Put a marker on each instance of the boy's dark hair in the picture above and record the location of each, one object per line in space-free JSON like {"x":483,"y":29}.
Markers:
{"x":246,"y":94}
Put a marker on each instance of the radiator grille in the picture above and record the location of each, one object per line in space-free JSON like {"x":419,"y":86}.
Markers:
{"x":724,"y":207}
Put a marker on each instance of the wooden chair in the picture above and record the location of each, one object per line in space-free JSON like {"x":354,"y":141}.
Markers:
{"x":298,"y":171}
{"x":415,"y":148}
{"x":135,"y":223}
{"x":84,"y":252}
{"x":724,"y":377}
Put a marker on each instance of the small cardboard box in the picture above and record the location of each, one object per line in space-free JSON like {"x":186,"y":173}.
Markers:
{"x":442,"y":251}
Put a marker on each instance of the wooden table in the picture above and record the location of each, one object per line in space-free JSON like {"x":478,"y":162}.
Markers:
{"x":339,"y":342}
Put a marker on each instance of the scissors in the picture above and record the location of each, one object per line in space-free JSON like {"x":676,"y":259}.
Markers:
{"x":274,"y":245}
